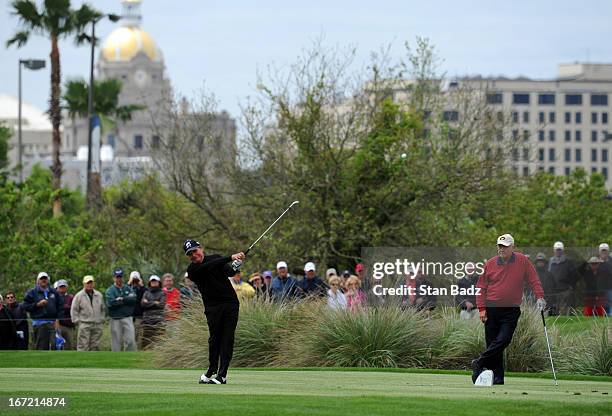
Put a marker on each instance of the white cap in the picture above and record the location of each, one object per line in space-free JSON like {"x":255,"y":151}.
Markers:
{"x":154,"y":277}
{"x":310,"y":266}
{"x":135,"y":275}
{"x":61,"y":282}
{"x":505,"y":240}
{"x":41,"y":275}
{"x":604,"y":246}
{"x":281,"y":264}
{"x":331,"y":272}
{"x":558,"y":245}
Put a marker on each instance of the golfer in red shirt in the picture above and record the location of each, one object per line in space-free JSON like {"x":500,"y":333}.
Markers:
{"x":501,"y":291}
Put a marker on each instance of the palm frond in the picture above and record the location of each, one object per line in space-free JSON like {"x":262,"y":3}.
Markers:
{"x":20,"y":38}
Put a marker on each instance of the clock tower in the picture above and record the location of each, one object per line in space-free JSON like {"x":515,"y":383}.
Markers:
{"x":130,"y":55}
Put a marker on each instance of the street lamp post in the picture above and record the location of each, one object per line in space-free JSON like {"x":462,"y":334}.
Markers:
{"x":32,"y":64}
{"x":93,"y":179}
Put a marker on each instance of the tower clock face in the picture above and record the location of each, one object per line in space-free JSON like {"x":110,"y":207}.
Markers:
{"x":141,"y":78}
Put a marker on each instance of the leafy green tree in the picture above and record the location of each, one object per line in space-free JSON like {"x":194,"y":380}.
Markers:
{"x":5,"y":135}
{"x":54,"y":19}
{"x":33,"y":240}
{"x":545,"y":208}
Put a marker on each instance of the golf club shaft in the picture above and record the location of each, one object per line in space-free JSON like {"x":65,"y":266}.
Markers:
{"x":270,"y":227}
{"x":552,"y":365}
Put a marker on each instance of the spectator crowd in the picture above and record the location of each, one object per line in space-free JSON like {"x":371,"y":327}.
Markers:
{"x":138,"y":312}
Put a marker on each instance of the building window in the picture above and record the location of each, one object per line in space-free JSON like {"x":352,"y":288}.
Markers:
{"x":546,"y":99}
{"x":578,"y":117}
{"x":593,"y":169}
{"x":541,"y":154}
{"x":567,"y":171}
{"x":593,"y":155}
{"x":515,"y":154}
{"x":551,"y":155}
{"x":578,"y":135}
{"x":494,"y":98}
{"x":604,"y":172}
{"x":551,"y":170}
{"x":200,"y":141}
{"x":573,"y":99}
{"x":568,"y":117}
{"x":594,"y":136}
{"x":525,"y":135}
{"x":568,"y":155}
{"x":518,"y":98}
{"x":604,"y":155}
{"x":568,"y":136}
{"x":551,"y":136}
{"x":578,"y":154}
{"x":137,"y":141}
{"x":594,"y":118}
{"x":110,"y":139}
{"x":500,"y":116}
{"x":525,"y":116}
{"x":604,"y":118}
{"x":551,"y":117}
{"x":541,"y":135}
{"x":541,"y":117}
{"x":525,"y":171}
{"x":599,"y":99}
{"x":155,"y":142}
{"x":515,"y":117}
{"x":451,"y":116}
{"x":515,"y":134}
{"x":525,"y":153}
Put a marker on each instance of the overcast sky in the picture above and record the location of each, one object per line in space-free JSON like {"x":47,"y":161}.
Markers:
{"x":222,"y":43}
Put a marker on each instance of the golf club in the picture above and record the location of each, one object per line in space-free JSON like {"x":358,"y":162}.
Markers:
{"x":549,"y":352}
{"x":236,"y":263}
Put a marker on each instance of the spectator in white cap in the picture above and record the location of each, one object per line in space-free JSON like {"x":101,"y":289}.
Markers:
{"x":596,"y":277}
{"x":137,"y":285}
{"x":66,"y":325}
{"x":604,"y":253}
{"x":153,"y":304}
{"x":331,"y":272}
{"x":87,"y":313}
{"x":45,"y":308}
{"x":312,"y":285}
{"x":604,"y":256}
{"x":283,"y":285}
{"x":565,"y":277}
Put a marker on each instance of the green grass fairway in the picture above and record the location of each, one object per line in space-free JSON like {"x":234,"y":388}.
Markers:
{"x":108,"y":391}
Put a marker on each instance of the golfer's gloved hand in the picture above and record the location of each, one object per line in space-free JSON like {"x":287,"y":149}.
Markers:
{"x":236,"y":264}
{"x":541,"y":304}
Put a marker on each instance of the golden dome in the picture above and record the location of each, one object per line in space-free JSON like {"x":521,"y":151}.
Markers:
{"x":126,"y":42}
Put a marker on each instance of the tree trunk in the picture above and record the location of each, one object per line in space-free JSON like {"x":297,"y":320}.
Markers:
{"x":56,"y":119}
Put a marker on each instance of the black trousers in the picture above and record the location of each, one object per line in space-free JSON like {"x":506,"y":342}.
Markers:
{"x":222,"y":320}
{"x":499,"y":328}
{"x":44,"y":337}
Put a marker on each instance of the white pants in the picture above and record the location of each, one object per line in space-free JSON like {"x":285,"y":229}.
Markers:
{"x":122,"y":329}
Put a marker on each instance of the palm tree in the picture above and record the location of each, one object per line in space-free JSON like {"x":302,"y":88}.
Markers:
{"x":106,"y":106}
{"x":106,"y":101}
{"x":55,"y":19}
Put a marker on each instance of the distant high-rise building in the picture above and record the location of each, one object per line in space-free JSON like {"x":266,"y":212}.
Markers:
{"x":566,"y":120}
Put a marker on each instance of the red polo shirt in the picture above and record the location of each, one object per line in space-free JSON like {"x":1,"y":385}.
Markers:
{"x":502,"y":282}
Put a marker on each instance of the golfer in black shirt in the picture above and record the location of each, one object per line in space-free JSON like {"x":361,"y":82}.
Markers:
{"x":211,"y":274}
